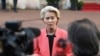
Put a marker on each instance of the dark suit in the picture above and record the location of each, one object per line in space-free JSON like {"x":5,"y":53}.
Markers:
{"x":74,"y":4}
{"x":3,"y":4}
{"x":15,"y":5}
{"x":54,"y":3}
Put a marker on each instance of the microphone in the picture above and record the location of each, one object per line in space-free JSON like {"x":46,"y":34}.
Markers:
{"x":62,"y":43}
{"x":30,"y":32}
{"x":36,"y":31}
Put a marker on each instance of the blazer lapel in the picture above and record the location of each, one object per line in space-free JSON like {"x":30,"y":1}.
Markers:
{"x":46,"y":43}
{"x":55,"y":42}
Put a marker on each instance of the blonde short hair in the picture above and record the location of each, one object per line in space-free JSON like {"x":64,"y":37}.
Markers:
{"x":47,"y":9}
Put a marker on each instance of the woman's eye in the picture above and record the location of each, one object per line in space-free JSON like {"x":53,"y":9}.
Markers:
{"x":47,"y":18}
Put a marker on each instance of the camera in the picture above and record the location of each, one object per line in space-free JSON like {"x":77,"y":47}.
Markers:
{"x":15,"y":40}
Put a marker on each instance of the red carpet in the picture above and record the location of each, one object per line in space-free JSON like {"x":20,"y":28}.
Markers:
{"x":91,"y":7}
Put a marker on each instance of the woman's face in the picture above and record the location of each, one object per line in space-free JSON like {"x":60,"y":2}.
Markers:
{"x":50,"y":19}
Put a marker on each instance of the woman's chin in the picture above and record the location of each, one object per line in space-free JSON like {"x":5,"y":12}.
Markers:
{"x":50,"y":26}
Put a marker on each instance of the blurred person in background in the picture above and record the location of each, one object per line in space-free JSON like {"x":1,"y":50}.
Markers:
{"x":54,"y":3}
{"x":5,"y":4}
{"x":73,"y":4}
{"x":15,"y":5}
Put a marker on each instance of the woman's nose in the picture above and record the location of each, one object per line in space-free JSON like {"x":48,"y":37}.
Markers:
{"x":50,"y":20}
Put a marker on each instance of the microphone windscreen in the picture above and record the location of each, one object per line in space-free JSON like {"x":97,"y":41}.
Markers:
{"x":62,"y":43}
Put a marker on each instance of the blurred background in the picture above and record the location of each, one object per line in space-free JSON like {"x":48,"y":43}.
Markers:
{"x":71,"y":10}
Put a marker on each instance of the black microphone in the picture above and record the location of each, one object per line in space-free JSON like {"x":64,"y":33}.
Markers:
{"x":62,"y":43}
{"x":36,"y":31}
{"x":30,"y":33}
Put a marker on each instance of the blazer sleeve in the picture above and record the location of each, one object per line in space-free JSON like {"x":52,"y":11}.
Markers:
{"x":36,"y":50}
{"x":69,"y":45}
{"x":69,"y":50}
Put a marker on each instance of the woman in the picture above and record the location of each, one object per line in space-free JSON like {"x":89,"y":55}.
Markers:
{"x":84,"y":38}
{"x":47,"y":43}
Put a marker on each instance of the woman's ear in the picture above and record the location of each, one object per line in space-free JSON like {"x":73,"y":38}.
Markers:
{"x":57,"y":20}
{"x":43,"y":20}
